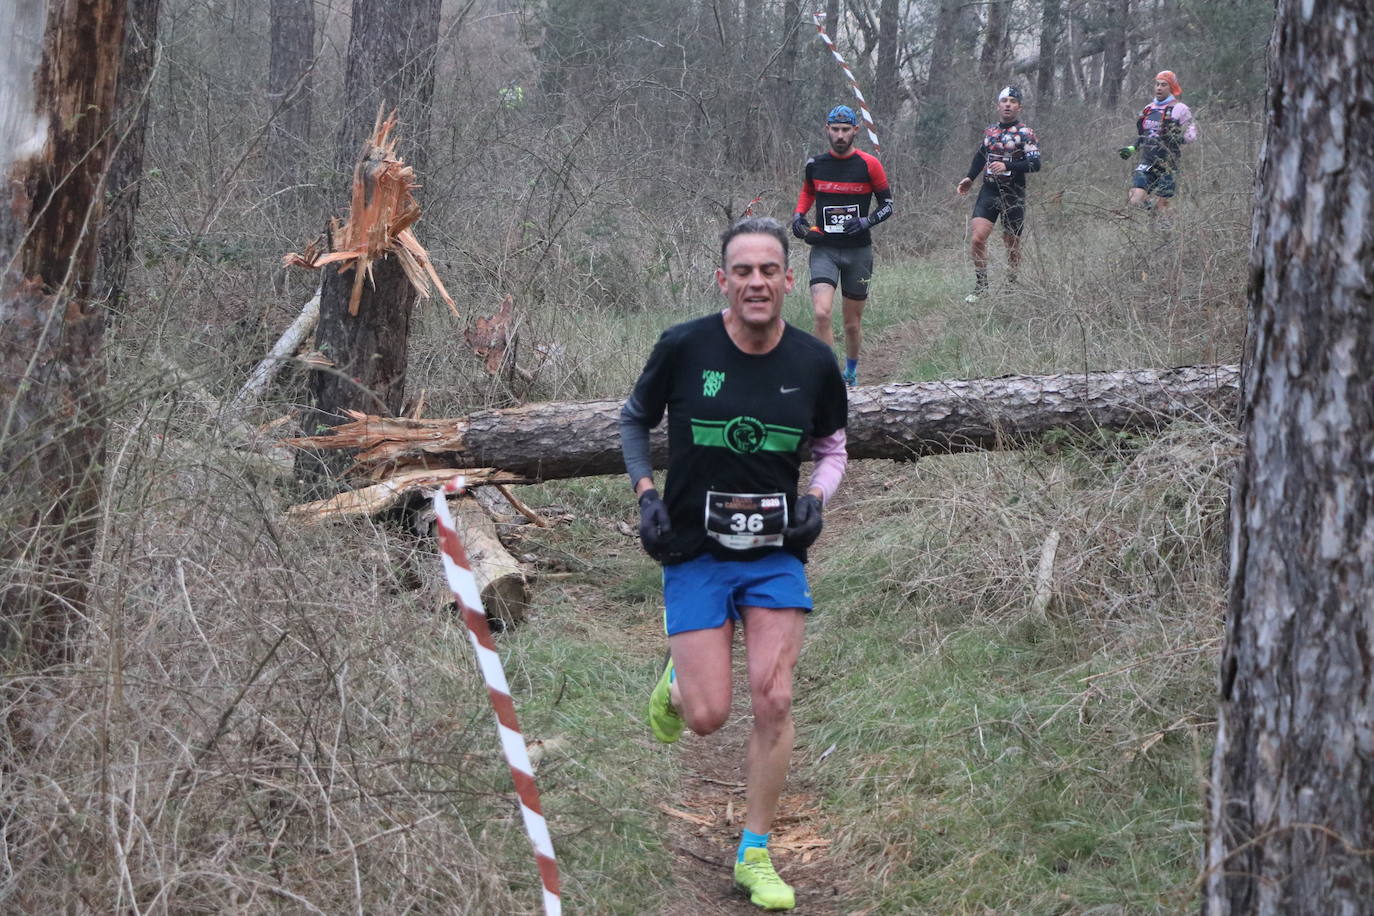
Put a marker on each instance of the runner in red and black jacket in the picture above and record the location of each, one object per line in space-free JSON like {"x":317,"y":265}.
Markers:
{"x":841,"y":184}
{"x":1009,"y":152}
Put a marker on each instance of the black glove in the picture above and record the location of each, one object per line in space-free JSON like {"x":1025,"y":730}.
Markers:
{"x":1126,"y":152}
{"x":856,"y":225}
{"x":799,"y":226}
{"x":806,"y":523}
{"x":655,"y":528}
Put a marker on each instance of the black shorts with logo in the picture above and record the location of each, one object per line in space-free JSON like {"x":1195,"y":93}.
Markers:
{"x":1002,"y":199}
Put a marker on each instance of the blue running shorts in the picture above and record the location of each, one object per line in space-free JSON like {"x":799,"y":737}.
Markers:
{"x":704,"y":592}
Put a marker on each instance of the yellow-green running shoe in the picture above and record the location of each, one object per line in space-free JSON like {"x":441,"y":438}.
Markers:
{"x":664,"y":721}
{"x":755,"y":874}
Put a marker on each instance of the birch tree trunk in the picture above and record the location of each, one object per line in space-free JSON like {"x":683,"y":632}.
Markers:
{"x":54,"y":144}
{"x":1292,"y":789}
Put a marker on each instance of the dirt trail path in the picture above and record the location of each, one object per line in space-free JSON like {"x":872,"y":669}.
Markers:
{"x":706,"y":814}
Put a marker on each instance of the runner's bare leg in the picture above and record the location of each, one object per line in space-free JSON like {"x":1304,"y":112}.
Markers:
{"x":853,"y":330}
{"x":701,"y":692}
{"x":772,"y":644}
{"x":822,"y":304}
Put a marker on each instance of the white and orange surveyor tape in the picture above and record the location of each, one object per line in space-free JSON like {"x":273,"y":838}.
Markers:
{"x":464,"y":587}
{"x":853,"y":83}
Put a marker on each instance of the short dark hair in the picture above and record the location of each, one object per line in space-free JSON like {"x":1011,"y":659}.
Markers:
{"x":754,"y":225}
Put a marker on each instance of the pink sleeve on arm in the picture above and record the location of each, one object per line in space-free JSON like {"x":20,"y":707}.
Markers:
{"x":828,"y":452}
{"x":1188,"y":122}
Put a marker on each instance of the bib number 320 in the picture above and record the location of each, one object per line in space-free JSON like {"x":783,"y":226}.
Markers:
{"x":741,"y":521}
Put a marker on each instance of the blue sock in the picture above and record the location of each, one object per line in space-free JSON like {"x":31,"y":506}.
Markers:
{"x":851,"y":366}
{"x":750,"y":839}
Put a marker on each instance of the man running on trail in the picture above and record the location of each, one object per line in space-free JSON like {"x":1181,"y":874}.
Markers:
{"x":1008,"y":153}
{"x":1161,"y":130}
{"x":744,"y":392}
{"x":840,"y":183}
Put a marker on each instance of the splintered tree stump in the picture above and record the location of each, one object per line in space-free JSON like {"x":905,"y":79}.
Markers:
{"x":503,"y":583}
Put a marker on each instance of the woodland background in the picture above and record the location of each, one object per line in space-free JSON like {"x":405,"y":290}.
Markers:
{"x":250,"y":715}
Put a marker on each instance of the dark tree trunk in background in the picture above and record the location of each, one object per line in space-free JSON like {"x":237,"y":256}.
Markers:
{"x":1292,"y":804}
{"x":125,"y":176}
{"x":51,"y":374}
{"x":787,"y":92}
{"x":290,"y":89}
{"x":1049,"y":54}
{"x":942,"y":49}
{"x":996,"y":44}
{"x":392,"y":46}
{"x":887,"y":95}
{"x":1114,"y":52}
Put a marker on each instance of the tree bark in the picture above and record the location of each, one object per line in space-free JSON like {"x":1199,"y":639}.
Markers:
{"x":1292,"y":788}
{"x":290,"y":90}
{"x":1049,"y":44}
{"x":124,"y":181}
{"x":392,"y":45}
{"x":391,"y":54}
{"x":996,"y":49}
{"x":1114,"y":53}
{"x":787,"y":86}
{"x":55,"y":148}
{"x":899,"y":421}
{"x":887,"y":97}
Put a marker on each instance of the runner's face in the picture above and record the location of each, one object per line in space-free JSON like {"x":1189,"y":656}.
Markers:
{"x":754,"y":279}
{"x":1161,"y":90}
{"x":1008,"y":109}
{"x":841,"y":137}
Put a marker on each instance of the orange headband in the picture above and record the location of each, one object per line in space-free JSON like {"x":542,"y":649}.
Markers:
{"x":1168,"y":77}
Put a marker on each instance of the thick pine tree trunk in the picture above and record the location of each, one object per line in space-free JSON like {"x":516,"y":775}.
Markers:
{"x":898,"y":421}
{"x":125,"y":178}
{"x":1292,"y":789}
{"x":290,"y":89}
{"x":54,"y":140}
{"x":392,"y":46}
{"x":391,"y":52}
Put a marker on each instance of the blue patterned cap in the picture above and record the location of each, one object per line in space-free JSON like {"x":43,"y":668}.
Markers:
{"x":842,"y":114}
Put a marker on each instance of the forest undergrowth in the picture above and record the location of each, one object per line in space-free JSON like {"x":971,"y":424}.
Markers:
{"x":262,"y":717}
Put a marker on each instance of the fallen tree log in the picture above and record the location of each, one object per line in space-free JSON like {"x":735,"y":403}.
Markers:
{"x":900,"y":421}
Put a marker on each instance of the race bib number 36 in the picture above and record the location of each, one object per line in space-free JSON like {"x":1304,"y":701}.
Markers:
{"x":741,"y":521}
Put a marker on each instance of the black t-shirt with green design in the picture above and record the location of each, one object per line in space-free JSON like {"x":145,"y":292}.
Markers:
{"x":736,"y":425}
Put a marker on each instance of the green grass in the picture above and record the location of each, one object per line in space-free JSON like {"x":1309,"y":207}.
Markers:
{"x":985,"y":759}
{"x":583,"y":671}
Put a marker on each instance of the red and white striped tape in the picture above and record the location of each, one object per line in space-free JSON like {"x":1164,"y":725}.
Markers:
{"x":853,"y":83}
{"x":464,"y":587}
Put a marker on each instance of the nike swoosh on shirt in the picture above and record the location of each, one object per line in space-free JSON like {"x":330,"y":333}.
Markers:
{"x":782,"y":389}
